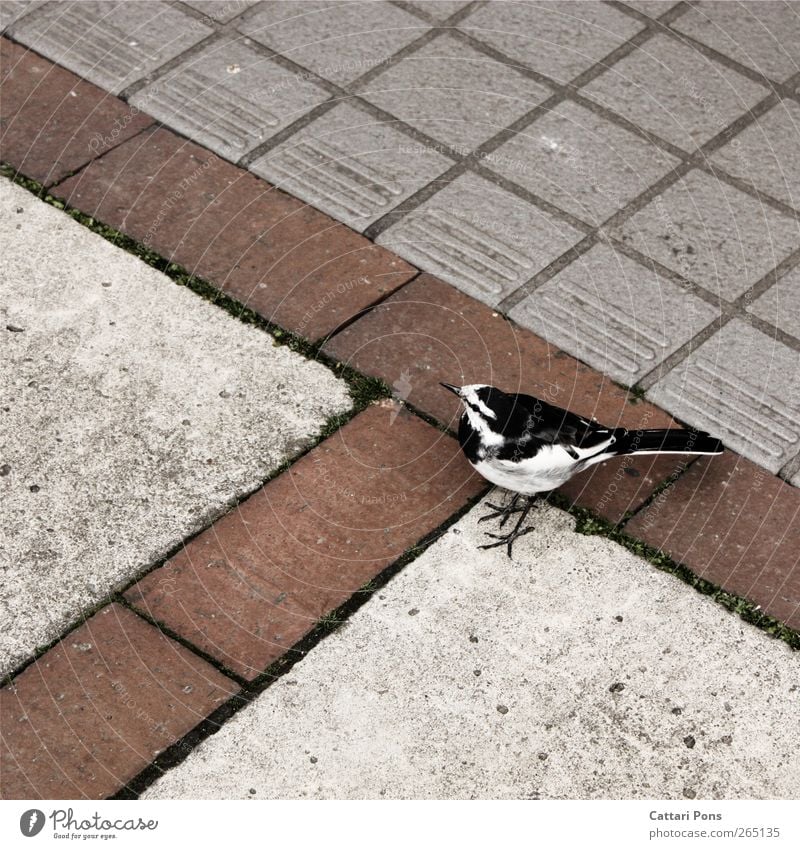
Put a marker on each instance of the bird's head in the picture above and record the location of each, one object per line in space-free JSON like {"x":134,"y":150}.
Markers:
{"x":487,"y":408}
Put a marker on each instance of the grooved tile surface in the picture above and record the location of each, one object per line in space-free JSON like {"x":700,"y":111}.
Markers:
{"x":486,"y":254}
{"x":229,"y":98}
{"x":98,"y":707}
{"x":338,"y":41}
{"x":712,"y":234}
{"x":257,"y":581}
{"x":780,"y":304}
{"x":351,"y":165}
{"x":653,"y":8}
{"x":221,"y":11}
{"x":13,"y":10}
{"x":113,"y":44}
{"x":559,"y":39}
{"x":675,"y":92}
{"x":744,"y":388}
{"x":454,"y":93}
{"x":615,"y":314}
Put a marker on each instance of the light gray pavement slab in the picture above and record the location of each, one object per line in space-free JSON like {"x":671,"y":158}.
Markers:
{"x":780,"y":304}
{"x":653,"y":8}
{"x":133,"y":413}
{"x":580,"y":162}
{"x":13,"y":10}
{"x":113,"y":44}
{"x":352,"y":165}
{"x":338,"y":41}
{"x":675,"y":92}
{"x":576,"y":670}
{"x":712,"y":234}
{"x":480,"y":238}
{"x":221,"y":11}
{"x":439,"y":9}
{"x":614,"y":314}
{"x":763,"y":36}
{"x":454,"y":93}
{"x":229,"y":97}
{"x":765,"y":154}
{"x":744,"y":387}
{"x":558,"y":39}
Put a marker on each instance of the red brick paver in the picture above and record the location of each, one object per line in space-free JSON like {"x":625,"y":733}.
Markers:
{"x":260,"y":578}
{"x":97,"y":708}
{"x":51,"y":121}
{"x":429,"y":332}
{"x":736,"y":525}
{"x":279,"y":256}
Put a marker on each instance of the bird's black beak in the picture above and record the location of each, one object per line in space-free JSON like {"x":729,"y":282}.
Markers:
{"x":454,"y":389}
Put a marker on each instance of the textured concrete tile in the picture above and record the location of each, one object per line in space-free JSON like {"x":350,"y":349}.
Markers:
{"x":229,"y":98}
{"x":741,"y":386}
{"x":763,"y":36}
{"x":428,"y":331}
{"x":653,"y":8}
{"x":257,"y":581}
{"x":351,"y":165}
{"x":439,"y":9}
{"x":275,"y":254}
{"x":780,"y":304}
{"x":338,"y":41}
{"x":96,"y":709}
{"x":454,"y":93}
{"x":712,"y":234}
{"x":765,"y":154}
{"x":580,"y":162}
{"x":614,"y":314}
{"x":675,"y":92}
{"x":113,"y":44}
{"x":152,"y":411}
{"x":559,"y":39}
{"x":13,"y":10}
{"x":221,"y":11}
{"x":480,"y":238}
{"x":576,"y":671}
{"x":734,"y":524}
{"x":52,"y":122}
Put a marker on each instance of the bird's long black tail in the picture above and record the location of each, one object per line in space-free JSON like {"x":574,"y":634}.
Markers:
{"x":667,"y":441}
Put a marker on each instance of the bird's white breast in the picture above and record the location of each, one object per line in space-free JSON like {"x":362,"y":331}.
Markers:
{"x":551,"y":467}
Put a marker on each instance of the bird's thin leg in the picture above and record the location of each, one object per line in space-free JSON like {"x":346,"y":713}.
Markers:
{"x":505,"y":511}
{"x":509,"y":538}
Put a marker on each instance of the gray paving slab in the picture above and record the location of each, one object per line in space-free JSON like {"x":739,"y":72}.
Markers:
{"x":653,"y":8}
{"x":133,"y":413}
{"x":712,"y":234}
{"x":780,"y":304}
{"x":614,"y":314}
{"x":352,"y":165}
{"x":577,"y":670}
{"x":229,"y":97}
{"x":338,"y":41}
{"x":439,"y":10}
{"x":221,"y":11}
{"x":13,"y":10}
{"x":113,"y":44}
{"x":765,"y":153}
{"x":454,"y":93}
{"x":744,"y":387}
{"x":675,"y":92}
{"x":763,"y":36}
{"x":556,"y":38}
{"x":581,"y":162}
{"x":480,"y":238}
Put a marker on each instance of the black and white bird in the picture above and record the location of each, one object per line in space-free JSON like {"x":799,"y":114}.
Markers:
{"x":526,"y":445}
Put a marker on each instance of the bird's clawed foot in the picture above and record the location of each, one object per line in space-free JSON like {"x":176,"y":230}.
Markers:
{"x":512,"y":536}
{"x":506,"y":539}
{"x":506,"y":511}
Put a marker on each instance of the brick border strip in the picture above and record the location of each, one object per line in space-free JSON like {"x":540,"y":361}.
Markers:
{"x":398,"y":323}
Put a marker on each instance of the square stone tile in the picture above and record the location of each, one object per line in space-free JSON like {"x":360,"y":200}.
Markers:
{"x":221,"y":11}
{"x":454,"y":93}
{"x":480,"y":238}
{"x":439,"y":10}
{"x":13,"y":10}
{"x":763,"y":36}
{"x":559,"y":39}
{"x":765,"y":153}
{"x":653,"y":8}
{"x":338,"y":41}
{"x":113,"y":44}
{"x":99,"y":706}
{"x":252,"y":585}
{"x":741,"y":386}
{"x":351,"y":165}
{"x":712,"y":234}
{"x":51,"y":121}
{"x":780,"y":304}
{"x":580,"y":162}
{"x":229,"y":98}
{"x":615,"y":314}
{"x":675,"y":92}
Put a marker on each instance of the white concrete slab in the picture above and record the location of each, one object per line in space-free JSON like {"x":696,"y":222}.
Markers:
{"x":132,"y":412}
{"x":578,"y":670}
